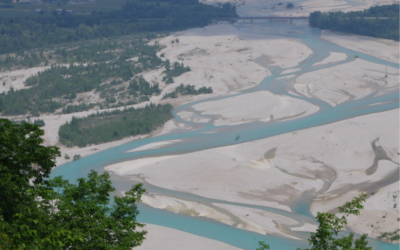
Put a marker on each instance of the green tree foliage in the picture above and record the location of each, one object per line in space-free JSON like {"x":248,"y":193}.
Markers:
{"x":289,"y":6}
{"x":367,"y":22}
{"x":187,"y":90}
{"x":77,"y":157}
{"x":44,"y":30}
{"x":262,"y":246}
{"x":139,"y":86}
{"x":77,"y":108}
{"x":176,"y":70}
{"x":36,"y":213}
{"x":9,"y":62}
{"x":326,"y":237}
{"x":330,"y":225}
{"x":20,"y":150}
{"x":85,"y":52}
{"x":38,"y":122}
{"x":114,"y":125}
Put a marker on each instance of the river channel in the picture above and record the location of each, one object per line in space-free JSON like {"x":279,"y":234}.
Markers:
{"x":206,"y":136}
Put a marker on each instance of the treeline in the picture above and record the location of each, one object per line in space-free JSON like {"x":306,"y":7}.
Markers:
{"x":384,"y":25}
{"x":20,"y":34}
{"x":187,"y":90}
{"x":115,"y":125}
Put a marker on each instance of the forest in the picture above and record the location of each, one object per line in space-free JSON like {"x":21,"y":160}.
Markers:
{"x":378,"y":21}
{"x":20,"y":34}
{"x":114,"y":125}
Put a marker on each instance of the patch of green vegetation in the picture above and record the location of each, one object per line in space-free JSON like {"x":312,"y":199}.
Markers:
{"x":67,"y":215}
{"x":176,"y":70}
{"x":55,"y":87}
{"x":115,"y":125}
{"x":187,"y":90}
{"x":77,"y":157}
{"x":139,"y":87}
{"x":94,"y":51}
{"x":379,"y":21}
{"x":390,"y":236}
{"x":77,"y":108}
{"x":38,"y":122}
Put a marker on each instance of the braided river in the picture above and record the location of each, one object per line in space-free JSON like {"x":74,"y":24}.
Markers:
{"x":207,"y":136}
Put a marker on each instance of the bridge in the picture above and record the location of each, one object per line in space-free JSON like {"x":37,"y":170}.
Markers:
{"x":251,"y":18}
{"x":271,"y":18}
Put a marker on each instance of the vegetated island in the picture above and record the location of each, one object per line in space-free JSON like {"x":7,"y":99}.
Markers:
{"x":379,"y":21}
{"x":115,"y":125}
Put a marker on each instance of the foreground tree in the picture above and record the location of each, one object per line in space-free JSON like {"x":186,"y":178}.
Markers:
{"x":326,"y":236}
{"x":36,"y":213}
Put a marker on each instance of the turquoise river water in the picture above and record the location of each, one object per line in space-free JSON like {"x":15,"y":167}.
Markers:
{"x":201,"y":138}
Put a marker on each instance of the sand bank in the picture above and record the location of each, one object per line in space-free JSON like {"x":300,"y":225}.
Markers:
{"x":226,"y":59}
{"x":251,"y":173}
{"x":384,"y":49}
{"x":15,"y":79}
{"x":153,"y":146}
{"x":260,"y":221}
{"x":348,"y":81}
{"x":258,"y":106}
{"x":333,"y":57}
{"x":255,"y":220}
{"x":159,"y":237}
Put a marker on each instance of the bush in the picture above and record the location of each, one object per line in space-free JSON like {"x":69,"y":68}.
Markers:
{"x":187,"y":90}
{"x":77,"y":157}
{"x":39,"y":122}
{"x":289,"y":5}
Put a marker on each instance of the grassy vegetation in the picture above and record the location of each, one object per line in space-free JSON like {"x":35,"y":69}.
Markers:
{"x":115,"y":125}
